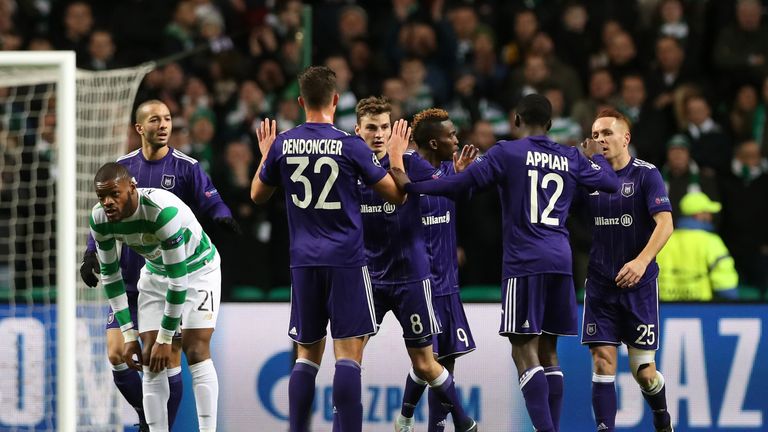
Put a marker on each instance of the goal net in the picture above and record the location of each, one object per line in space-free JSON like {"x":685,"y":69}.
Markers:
{"x":30,"y":246}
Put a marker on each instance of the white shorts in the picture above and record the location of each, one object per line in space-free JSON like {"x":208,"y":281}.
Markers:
{"x":201,"y":306}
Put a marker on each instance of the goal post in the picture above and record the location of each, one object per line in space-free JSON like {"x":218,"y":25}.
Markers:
{"x":58,"y":125}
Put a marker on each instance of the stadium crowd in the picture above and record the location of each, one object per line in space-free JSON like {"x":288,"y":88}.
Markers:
{"x":692,"y":76}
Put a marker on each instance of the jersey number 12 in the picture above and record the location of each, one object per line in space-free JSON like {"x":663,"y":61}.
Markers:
{"x":546,"y":180}
{"x":301,"y":163}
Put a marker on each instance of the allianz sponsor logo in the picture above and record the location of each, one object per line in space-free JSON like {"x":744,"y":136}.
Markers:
{"x":625,"y":220}
{"x":435,"y":220}
{"x":387,"y":208}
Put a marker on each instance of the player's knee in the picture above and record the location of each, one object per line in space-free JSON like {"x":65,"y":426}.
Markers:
{"x":115,"y":356}
{"x":603,"y":364}
{"x":197,"y":352}
{"x":646,"y":376}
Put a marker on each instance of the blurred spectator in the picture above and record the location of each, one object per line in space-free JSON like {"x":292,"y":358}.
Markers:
{"x":101,"y":50}
{"x":760,"y":123}
{"x":573,"y":42}
{"x":610,"y":30}
{"x":602,"y":90}
{"x":181,"y":31}
{"x":650,"y":128}
{"x":744,"y":208}
{"x":246,"y":111}
{"x":482,"y":136}
{"x":742,"y":114}
{"x":561,"y":74}
{"x":672,"y":21}
{"x":741,"y":49}
{"x":78,"y":23}
{"x":564,"y":129}
{"x":466,"y":25}
{"x":526,"y":25}
{"x":531,"y":78}
{"x":695,"y":265}
{"x":419,"y":94}
{"x":667,"y":73}
{"x":353,"y":24}
{"x":682,"y":175}
{"x":622,"y":55}
{"x":202,"y":128}
{"x":345,"y":117}
{"x":394,"y":90}
{"x":710,"y":146}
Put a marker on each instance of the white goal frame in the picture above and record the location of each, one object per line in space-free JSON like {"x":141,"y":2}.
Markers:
{"x":66,"y":226}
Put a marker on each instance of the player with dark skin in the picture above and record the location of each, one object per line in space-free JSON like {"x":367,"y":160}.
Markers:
{"x":119,"y":198}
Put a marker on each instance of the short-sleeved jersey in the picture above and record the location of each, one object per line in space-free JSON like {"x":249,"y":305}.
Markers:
{"x":623,"y":222}
{"x":394,"y":235}
{"x":318,"y":167}
{"x":166,"y":233}
{"x":438,"y":215}
{"x":179,"y":174}
{"x":536,"y":179}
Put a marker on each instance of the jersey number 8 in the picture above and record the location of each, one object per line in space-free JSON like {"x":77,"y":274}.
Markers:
{"x":301,"y":163}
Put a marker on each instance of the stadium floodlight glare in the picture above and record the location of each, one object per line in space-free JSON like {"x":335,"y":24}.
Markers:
{"x":58,"y":125}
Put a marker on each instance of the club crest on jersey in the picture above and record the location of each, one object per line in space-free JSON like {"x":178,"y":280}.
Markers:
{"x":375,"y":160}
{"x":591,"y":329}
{"x":168,"y":181}
{"x":628,"y":189}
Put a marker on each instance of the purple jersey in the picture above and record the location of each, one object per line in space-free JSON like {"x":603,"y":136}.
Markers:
{"x":536,"y":179}
{"x":624,"y":222}
{"x":394,"y":235}
{"x":438,"y":215}
{"x":178,"y":174}
{"x":318,"y":167}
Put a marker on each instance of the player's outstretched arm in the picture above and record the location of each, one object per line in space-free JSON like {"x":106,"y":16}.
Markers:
{"x":266,"y":133}
{"x":632,"y":271}
{"x":597,"y":173}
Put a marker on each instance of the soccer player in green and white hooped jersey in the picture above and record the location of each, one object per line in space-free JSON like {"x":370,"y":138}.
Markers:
{"x":182,"y":271}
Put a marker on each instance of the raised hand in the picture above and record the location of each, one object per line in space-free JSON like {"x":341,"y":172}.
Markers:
{"x":592,"y":147}
{"x":398,"y":141}
{"x":266,"y":133}
{"x":467,"y":156}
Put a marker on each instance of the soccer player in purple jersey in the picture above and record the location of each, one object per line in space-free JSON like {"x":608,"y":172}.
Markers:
{"x":400,"y":270}
{"x":536,"y":179}
{"x":318,"y":167}
{"x":435,"y":136}
{"x":621,"y":303}
{"x":159,"y":166}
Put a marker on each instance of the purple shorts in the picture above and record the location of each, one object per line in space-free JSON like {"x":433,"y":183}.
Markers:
{"x":411,"y":303}
{"x":339,"y":294}
{"x":536,"y":304}
{"x":613,"y":315}
{"x":133,"y":308}
{"x":456,"y":338}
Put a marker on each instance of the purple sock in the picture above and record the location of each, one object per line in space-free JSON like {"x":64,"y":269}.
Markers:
{"x":177,"y":391}
{"x":445,"y":390}
{"x":657,"y":400}
{"x":555,"y":382}
{"x":347,"y":394}
{"x":533,"y":384}
{"x":301,"y":394}
{"x":128,"y":381}
{"x":437,"y":414}
{"x":604,"y":401}
{"x":414,"y":388}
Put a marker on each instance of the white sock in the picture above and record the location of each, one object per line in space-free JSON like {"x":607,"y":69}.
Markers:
{"x":174,"y":371}
{"x":119,"y":367}
{"x":156,"y":394}
{"x":205,"y":385}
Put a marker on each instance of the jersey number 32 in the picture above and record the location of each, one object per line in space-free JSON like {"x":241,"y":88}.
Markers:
{"x":302,"y":162}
